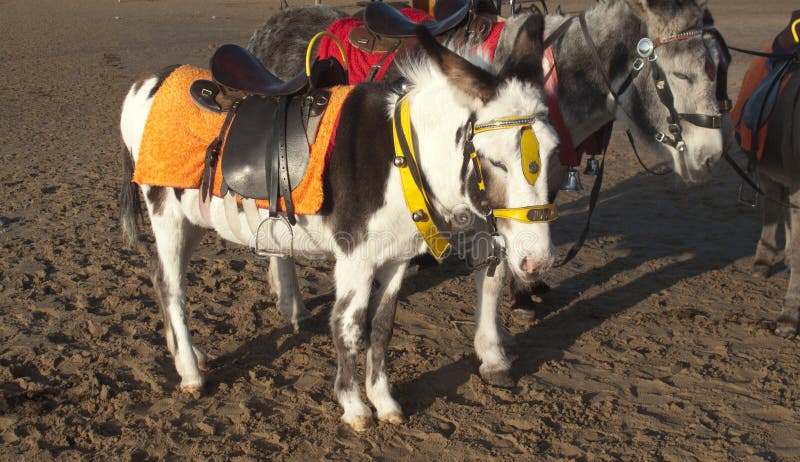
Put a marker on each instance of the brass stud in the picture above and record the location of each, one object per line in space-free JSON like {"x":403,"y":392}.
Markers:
{"x":533,"y":167}
{"x":399,"y":161}
{"x":419,"y":216}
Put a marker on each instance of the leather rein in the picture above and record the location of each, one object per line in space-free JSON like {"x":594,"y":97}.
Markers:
{"x":429,"y":223}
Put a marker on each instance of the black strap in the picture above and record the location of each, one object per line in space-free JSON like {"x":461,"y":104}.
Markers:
{"x":740,"y":171}
{"x":595,"y":194}
{"x":212,"y":155}
{"x":560,"y":30}
{"x":283,"y":164}
{"x":703,"y":120}
{"x":373,"y":71}
{"x":762,"y":54}
{"x":595,"y":54}
{"x":272,"y":158}
{"x":636,"y":152}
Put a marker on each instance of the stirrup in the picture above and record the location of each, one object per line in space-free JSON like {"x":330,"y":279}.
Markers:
{"x":259,"y":252}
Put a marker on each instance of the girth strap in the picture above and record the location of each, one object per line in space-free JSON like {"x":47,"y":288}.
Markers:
{"x":283,"y":164}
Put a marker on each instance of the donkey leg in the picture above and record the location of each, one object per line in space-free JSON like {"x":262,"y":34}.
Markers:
{"x":495,"y":367}
{"x":789,"y":319}
{"x":767,"y":247}
{"x":176,"y":238}
{"x":348,"y":323}
{"x":283,"y":280}
{"x":383,"y":304}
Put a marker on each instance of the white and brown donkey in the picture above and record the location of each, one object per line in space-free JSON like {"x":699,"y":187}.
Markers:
{"x":467,"y":129}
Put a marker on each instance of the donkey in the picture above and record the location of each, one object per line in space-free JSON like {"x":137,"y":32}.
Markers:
{"x":688,"y":59}
{"x":591,"y":92}
{"x":466,"y":130}
{"x":775,"y":152}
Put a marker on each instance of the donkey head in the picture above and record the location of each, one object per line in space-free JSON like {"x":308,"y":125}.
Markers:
{"x":677,"y":87}
{"x":488,"y":143}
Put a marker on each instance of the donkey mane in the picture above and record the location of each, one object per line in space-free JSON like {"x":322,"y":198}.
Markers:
{"x":422,"y":73}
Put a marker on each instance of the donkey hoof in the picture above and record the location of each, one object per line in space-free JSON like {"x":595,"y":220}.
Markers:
{"x":394,"y":418}
{"x":785,"y":329}
{"x":299,"y":319}
{"x":523,"y":314}
{"x":761,"y":271}
{"x":501,"y":378}
{"x":360,"y":423}
{"x":202,"y":359}
{"x":194,"y":388}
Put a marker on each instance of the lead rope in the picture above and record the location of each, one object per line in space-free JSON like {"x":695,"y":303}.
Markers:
{"x":593,"y":196}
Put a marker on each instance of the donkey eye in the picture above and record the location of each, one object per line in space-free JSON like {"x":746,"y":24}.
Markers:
{"x":681,"y":76}
{"x":499,"y":165}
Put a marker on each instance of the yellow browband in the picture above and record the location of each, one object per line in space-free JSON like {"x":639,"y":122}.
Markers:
{"x":417,"y":199}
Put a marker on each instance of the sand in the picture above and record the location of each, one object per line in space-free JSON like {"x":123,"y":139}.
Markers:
{"x":655,"y":343}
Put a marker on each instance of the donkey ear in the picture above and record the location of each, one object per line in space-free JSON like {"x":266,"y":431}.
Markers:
{"x":525,"y":62}
{"x":463,"y":75}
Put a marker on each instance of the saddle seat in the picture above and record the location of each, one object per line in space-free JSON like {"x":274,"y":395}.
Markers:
{"x":385,"y":20}
{"x":386,"y":29}
{"x":234,"y":67}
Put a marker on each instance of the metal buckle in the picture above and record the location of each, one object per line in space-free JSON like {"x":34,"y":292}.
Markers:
{"x":660,"y":137}
{"x":743,"y":200}
{"x":638,"y":64}
{"x":645,"y":47}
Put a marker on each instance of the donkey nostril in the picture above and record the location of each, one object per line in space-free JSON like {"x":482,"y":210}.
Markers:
{"x":529,"y":265}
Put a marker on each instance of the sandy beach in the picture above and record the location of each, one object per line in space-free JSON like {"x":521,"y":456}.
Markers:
{"x":655,"y":343}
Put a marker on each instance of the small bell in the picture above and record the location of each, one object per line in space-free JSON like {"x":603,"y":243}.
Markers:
{"x":573,"y":182}
{"x":592,"y":166}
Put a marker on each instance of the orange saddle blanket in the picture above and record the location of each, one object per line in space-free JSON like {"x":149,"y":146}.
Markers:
{"x":177,"y":133}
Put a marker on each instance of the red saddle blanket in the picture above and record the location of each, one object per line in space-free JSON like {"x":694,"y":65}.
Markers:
{"x":360,"y":63}
{"x":177,"y":133}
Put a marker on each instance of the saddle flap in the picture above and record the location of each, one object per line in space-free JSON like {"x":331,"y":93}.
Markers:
{"x":234,"y":67}
{"x":382,"y":19}
{"x":252,"y":144}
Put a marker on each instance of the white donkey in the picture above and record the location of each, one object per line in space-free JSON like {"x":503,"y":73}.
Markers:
{"x":463,"y":134}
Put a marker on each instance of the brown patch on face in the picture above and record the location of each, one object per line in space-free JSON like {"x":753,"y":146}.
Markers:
{"x":495,"y":189}
{"x":463,"y":75}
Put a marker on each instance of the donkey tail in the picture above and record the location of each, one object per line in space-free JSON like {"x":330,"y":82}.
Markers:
{"x":130,"y":206}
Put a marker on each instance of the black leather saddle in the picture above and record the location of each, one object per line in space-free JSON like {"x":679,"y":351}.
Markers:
{"x":384,"y":20}
{"x":264,"y":142}
{"x":387,"y":30}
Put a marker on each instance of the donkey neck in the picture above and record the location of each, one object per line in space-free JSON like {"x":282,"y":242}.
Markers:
{"x":583,"y":93}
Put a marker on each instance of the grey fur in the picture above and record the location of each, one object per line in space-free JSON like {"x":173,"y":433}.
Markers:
{"x":616,"y":26}
{"x":292,"y":29}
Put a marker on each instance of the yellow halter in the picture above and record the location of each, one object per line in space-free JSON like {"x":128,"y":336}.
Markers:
{"x":414,"y":192}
